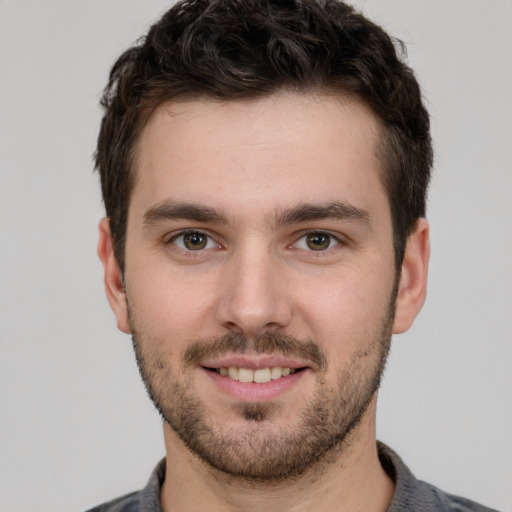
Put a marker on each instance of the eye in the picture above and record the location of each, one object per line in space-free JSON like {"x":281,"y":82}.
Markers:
{"x":317,"y":241}
{"x":193,"y":241}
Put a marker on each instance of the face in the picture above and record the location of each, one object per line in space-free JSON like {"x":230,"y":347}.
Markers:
{"x":259,"y":282}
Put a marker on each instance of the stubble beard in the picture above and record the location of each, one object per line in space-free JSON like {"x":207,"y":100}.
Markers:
{"x":262,"y":451}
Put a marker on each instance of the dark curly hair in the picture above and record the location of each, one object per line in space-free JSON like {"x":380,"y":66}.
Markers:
{"x":243,"y":49}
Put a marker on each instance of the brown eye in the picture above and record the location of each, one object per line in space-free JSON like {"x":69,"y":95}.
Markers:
{"x":195,"y":241}
{"x":318,"y":241}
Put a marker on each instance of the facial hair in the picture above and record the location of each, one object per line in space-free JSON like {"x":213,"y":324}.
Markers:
{"x":263,"y":450}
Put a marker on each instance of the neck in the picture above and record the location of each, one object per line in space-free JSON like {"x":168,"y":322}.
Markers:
{"x":351,"y":480}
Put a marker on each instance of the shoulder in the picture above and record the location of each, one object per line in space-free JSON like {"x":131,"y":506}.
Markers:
{"x":436,"y":499}
{"x":128,"y":503}
{"x":413,"y":495}
{"x":145,"y":500}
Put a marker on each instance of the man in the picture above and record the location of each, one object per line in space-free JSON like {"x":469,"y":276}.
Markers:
{"x":264,"y":167}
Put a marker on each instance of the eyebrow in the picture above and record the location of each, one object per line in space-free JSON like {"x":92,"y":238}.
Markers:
{"x":338,"y":210}
{"x":169,"y":210}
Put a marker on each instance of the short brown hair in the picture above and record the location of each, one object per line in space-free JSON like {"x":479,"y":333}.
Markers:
{"x":236,"y":49}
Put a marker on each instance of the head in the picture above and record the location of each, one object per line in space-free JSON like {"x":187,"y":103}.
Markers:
{"x":238,"y":49}
{"x":264,"y":166}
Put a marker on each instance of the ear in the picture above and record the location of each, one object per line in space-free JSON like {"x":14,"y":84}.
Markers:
{"x":113,"y":278}
{"x":412,"y":289}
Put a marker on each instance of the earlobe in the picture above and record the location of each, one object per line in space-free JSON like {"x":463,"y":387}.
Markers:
{"x":113,"y":281}
{"x":413,"y":278}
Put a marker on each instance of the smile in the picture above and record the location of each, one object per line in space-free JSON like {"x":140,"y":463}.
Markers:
{"x":248,"y":380}
{"x":260,"y":375}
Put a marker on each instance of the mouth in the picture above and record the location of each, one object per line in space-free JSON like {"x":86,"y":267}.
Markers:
{"x":259,"y":376}
{"x":253,"y":377}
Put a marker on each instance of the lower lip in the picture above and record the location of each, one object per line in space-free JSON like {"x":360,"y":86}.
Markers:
{"x":254,"y":391}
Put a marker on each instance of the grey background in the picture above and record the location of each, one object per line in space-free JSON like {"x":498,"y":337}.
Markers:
{"x":76,"y":426}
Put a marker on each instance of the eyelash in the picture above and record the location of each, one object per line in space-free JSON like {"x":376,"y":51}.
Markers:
{"x":333,"y":239}
{"x":320,"y":252}
{"x":182,"y":234}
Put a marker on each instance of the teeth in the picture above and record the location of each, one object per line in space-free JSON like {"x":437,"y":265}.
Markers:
{"x":245,"y":375}
{"x":260,"y":376}
{"x":276,"y":373}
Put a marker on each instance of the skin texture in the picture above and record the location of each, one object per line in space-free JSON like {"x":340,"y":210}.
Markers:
{"x":241,"y":179}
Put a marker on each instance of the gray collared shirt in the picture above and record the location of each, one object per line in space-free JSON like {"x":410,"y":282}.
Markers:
{"x":411,"y":495}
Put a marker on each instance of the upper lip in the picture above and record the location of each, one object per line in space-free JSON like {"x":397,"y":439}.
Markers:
{"x":255,"y":362}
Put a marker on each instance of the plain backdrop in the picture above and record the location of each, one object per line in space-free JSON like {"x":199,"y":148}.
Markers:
{"x":76,"y":426}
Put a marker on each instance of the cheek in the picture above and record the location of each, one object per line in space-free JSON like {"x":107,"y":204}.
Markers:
{"x":170,"y":308}
{"x":347,"y":309}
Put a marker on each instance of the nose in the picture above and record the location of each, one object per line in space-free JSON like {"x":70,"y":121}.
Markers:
{"x":253,"y":297}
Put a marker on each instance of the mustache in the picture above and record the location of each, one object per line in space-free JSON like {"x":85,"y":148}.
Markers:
{"x":268,"y":343}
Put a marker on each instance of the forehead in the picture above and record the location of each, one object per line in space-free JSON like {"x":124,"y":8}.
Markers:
{"x":279,"y":150}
